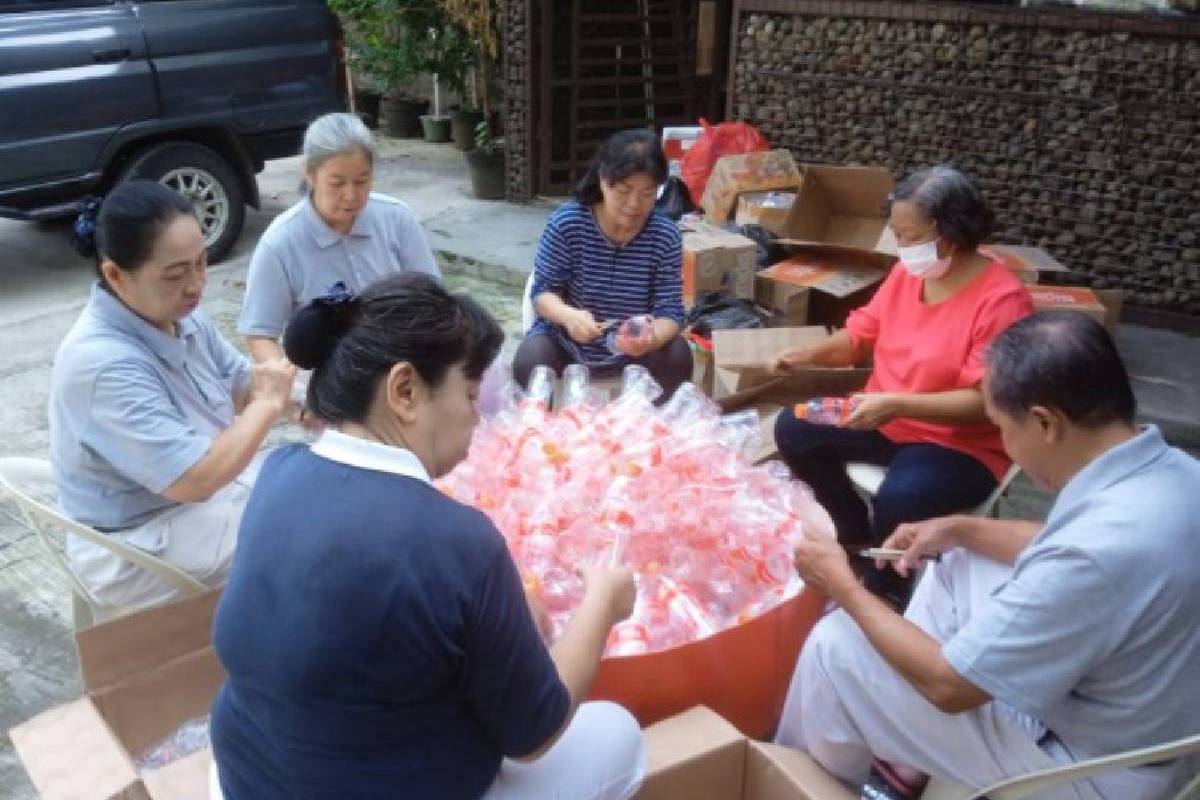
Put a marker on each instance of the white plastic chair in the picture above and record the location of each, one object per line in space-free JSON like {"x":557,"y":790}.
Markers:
{"x":19,"y":477}
{"x":867,"y":478}
{"x":1029,"y":785}
{"x":528,"y":315}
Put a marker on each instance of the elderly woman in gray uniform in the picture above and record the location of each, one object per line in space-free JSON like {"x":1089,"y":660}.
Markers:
{"x":341,"y":231}
{"x":155,"y":418}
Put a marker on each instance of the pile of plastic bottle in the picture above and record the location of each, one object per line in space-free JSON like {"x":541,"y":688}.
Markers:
{"x":669,"y":491}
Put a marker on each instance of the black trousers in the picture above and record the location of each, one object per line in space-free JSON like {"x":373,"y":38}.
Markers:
{"x":670,"y":364}
{"x":923,"y":481}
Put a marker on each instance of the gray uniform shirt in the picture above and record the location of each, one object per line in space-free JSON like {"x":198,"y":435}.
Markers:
{"x":133,"y":408}
{"x":1096,"y":634}
{"x":299,"y":257}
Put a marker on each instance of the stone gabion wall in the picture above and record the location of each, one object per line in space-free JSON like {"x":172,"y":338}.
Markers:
{"x":515,"y":80}
{"x":1087,"y":142}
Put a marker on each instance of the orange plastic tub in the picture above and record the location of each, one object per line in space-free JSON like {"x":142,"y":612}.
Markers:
{"x":742,"y":673}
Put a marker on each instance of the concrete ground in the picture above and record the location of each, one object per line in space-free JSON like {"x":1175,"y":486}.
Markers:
{"x":485,"y":248}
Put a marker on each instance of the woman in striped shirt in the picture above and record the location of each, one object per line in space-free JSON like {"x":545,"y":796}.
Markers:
{"x":605,"y":257}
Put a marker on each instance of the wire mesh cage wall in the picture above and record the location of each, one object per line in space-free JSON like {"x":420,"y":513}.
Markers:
{"x":1083,"y":129}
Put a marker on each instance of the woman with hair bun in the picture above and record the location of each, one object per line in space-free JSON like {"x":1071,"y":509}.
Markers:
{"x":925,"y":332}
{"x":603,"y":258}
{"x":375,"y":633}
{"x":154,"y":417}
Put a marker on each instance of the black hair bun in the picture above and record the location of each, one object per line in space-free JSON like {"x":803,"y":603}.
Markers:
{"x":83,"y":236}
{"x":313,"y":333}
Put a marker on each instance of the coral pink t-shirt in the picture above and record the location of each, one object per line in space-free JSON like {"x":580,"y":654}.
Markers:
{"x":928,"y":348}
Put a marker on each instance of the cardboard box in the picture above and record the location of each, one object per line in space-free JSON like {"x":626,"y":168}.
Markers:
{"x":715,"y":259}
{"x":768,"y":209}
{"x":1069,"y":298}
{"x":697,"y":755}
{"x":1030,"y":264}
{"x":839,"y":246}
{"x":1114,"y":301}
{"x":741,"y":358}
{"x":842,"y":209}
{"x":748,"y":172}
{"x":144,"y":675}
{"x":819,"y":289}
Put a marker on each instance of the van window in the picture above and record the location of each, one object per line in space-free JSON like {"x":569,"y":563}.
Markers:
{"x":13,"y":6}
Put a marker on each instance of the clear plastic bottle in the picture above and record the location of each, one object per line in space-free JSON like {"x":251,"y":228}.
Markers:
{"x":576,"y":385}
{"x":541,"y":386}
{"x":635,"y":329}
{"x":827,"y":410}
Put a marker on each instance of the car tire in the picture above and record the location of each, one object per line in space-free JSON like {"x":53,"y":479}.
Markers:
{"x":205,"y":178}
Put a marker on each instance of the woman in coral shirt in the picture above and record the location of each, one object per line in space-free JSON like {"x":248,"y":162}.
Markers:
{"x":921,"y":413}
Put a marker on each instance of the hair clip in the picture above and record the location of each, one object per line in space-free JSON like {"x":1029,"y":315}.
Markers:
{"x":336,"y":297}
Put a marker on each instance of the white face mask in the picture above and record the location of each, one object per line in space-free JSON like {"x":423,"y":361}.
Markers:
{"x":921,"y":260}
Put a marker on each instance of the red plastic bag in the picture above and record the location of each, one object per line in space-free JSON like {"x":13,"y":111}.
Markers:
{"x":724,"y":139}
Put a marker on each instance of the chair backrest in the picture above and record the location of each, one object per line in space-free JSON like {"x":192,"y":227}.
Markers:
{"x":986,"y":509}
{"x":19,"y":476}
{"x":1035,"y":782}
{"x":528,"y":314}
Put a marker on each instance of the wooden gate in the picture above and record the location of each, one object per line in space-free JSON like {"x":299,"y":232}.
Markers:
{"x":604,"y":66}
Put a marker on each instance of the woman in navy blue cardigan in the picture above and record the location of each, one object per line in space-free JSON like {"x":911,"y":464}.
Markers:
{"x":376,"y":634}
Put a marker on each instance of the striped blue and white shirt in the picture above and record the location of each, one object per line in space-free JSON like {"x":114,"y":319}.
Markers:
{"x":576,"y":261}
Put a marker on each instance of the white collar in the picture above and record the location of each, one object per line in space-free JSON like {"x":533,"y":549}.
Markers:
{"x":365,"y":454}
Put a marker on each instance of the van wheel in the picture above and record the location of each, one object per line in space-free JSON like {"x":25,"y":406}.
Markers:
{"x":204,"y":178}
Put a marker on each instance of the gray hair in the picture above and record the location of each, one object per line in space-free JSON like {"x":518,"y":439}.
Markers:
{"x":951,"y":201}
{"x":336,"y":134}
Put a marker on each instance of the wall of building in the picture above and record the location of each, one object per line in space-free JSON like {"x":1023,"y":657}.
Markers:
{"x":1083,"y":129}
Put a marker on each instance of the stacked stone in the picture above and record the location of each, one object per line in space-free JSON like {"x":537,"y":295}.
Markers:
{"x":517,"y":114}
{"x":1087,"y":142}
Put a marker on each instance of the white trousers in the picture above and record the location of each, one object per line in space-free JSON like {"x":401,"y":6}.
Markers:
{"x":846,"y":703}
{"x":199,"y":538}
{"x":600,"y":756}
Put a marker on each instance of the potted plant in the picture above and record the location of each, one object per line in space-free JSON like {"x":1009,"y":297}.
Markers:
{"x":479,"y":19}
{"x":486,"y":163}
{"x":463,"y":122}
{"x":389,"y":39}
{"x":436,"y":126}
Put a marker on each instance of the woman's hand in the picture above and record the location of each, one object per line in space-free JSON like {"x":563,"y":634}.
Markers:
{"x":637,"y":336}
{"x":925,"y":539}
{"x":271,"y":383}
{"x":790,"y":360}
{"x":614,"y":588}
{"x":823,"y":564}
{"x":874,"y":410}
{"x":581,"y":326}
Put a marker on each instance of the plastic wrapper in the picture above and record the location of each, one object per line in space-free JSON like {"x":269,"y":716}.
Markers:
{"x":190,"y":737}
{"x":669,"y":491}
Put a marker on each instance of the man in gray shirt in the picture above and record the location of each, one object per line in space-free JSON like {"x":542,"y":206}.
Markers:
{"x":1026,"y":646}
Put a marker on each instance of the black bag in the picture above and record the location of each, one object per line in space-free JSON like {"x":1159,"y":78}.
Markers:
{"x":767,"y":252}
{"x":719,"y":311}
{"x":676,"y":200}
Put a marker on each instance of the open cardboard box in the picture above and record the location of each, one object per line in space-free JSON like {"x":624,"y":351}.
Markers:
{"x":697,"y":755}
{"x":715,"y":259}
{"x":746,"y":172}
{"x":838,"y":242}
{"x":741,"y":379}
{"x":1029,"y":264}
{"x":769,"y":209}
{"x":818,"y":288}
{"x":144,"y":675}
